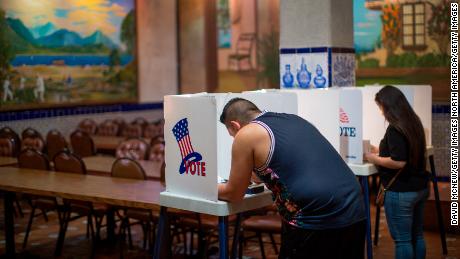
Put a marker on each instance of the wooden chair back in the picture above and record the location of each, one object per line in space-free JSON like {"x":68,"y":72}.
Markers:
{"x":33,"y":159}
{"x":128,"y":168}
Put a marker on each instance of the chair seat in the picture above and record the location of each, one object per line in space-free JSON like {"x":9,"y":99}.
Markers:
{"x":208,"y":222}
{"x":267,"y":223}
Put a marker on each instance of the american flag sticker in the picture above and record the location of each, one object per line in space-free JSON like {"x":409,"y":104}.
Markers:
{"x":190,"y":158}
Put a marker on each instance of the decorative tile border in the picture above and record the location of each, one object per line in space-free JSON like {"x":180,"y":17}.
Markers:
{"x":317,"y":67}
{"x":77,"y":110}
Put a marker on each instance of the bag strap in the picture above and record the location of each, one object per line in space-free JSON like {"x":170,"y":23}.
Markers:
{"x":393,"y":179}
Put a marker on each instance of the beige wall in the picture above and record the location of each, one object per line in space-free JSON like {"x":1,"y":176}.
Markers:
{"x":157,"y":49}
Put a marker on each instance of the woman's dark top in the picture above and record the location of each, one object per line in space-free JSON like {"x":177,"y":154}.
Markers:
{"x":312,"y":186}
{"x":395,"y":145}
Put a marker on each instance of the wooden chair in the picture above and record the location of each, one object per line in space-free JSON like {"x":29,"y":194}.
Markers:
{"x":133,"y":148}
{"x":7,"y":132}
{"x":33,"y":159}
{"x":7,"y":147}
{"x":140,"y":121}
{"x":121,"y":124}
{"x":82,"y":144}
{"x":130,"y":169}
{"x":31,"y":138}
{"x":55,"y":142}
{"x":132,"y":131}
{"x":243,"y":50}
{"x":269,"y":224}
{"x":88,"y":125}
{"x":66,"y":161}
{"x":157,"y":150}
{"x":152,"y":130}
{"x":108,"y":128}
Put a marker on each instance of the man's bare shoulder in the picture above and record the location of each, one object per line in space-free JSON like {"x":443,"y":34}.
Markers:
{"x":252,"y":133}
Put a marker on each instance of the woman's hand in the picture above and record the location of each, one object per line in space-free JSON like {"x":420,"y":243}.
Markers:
{"x":374,"y":149}
{"x":371,"y":157}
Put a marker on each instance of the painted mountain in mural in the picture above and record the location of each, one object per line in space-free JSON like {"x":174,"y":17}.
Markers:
{"x":43,"y":30}
{"x":21,"y":30}
{"x":99,"y":38}
{"x":61,"y":38}
{"x":54,"y":38}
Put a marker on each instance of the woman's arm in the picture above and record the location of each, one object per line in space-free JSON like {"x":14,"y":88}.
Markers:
{"x":384,"y":161}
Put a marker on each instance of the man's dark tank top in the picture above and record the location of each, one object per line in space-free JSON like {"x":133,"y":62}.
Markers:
{"x":312,"y":186}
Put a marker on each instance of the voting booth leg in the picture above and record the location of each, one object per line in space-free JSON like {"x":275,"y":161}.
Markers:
{"x":442,"y":230}
{"x":236,"y":236}
{"x":365,"y":186}
{"x":162,"y":243}
{"x":8,"y":198}
{"x":223,"y":237}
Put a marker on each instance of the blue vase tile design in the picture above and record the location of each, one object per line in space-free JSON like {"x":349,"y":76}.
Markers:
{"x":288,"y":78}
{"x":319,"y":80}
{"x":303,"y":75}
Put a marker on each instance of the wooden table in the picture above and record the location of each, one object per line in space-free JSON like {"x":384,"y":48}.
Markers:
{"x":113,"y":191}
{"x":102,"y":165}
{"x":8,"y":161}
{"x":109,"y":142}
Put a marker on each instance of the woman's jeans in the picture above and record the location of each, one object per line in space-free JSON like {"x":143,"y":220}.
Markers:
{"x":404,"y":213}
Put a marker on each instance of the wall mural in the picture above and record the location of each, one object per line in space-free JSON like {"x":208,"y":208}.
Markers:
{"x":67,"y":52}
{"x":224,"y":33}
{"x":403,"y":42}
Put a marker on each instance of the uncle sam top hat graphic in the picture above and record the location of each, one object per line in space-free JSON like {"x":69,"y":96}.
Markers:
{"x":182,"y":135}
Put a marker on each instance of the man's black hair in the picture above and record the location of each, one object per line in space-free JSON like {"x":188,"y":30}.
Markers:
{"x":238,"y":109}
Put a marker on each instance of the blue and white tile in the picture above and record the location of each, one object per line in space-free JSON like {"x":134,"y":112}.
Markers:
{"x":288,"y":64}
{"x":317,"y":65}
{"x":343,"y":69}
{"x":306,"y":64}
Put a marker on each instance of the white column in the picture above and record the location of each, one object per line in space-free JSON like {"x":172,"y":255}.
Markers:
{"x":316,"y":43}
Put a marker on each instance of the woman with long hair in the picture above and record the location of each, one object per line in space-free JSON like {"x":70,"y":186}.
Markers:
{"x":402,"y":150}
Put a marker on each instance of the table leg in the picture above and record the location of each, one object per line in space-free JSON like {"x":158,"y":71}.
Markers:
{"x":365,"y":186}
{"x":223,"y":237}
{"x":110,"y":215}
{"x":162,"y":247}
{"x":236,"y":236}
{"x":442,"y":230}
{"x":9,"y":224}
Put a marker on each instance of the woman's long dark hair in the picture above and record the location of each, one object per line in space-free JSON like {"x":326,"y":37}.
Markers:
{"x":399,"y":114}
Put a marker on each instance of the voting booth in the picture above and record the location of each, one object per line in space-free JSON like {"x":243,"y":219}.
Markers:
{"x":418,"y":96}
{"x":198,"y":146}
{"x":336,"y":113}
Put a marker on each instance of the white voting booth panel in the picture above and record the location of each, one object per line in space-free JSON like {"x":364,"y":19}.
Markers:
{"x":351,"y":125}
{"x":418,"y":96}
{"x":198,"y":146}
{"x":337,"y":114}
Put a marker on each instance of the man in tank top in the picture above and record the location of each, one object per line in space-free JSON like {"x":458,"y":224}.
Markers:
{"x":317,"y":195}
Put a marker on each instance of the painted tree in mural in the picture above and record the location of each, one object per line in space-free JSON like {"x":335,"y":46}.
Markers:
{"x":6,"y":52}
{"x":438,"y":26}
{"x":128,"y":32}
{"x":391,"y":27}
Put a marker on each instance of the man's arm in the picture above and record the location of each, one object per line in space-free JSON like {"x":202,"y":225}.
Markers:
{"x":241,"y":167}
